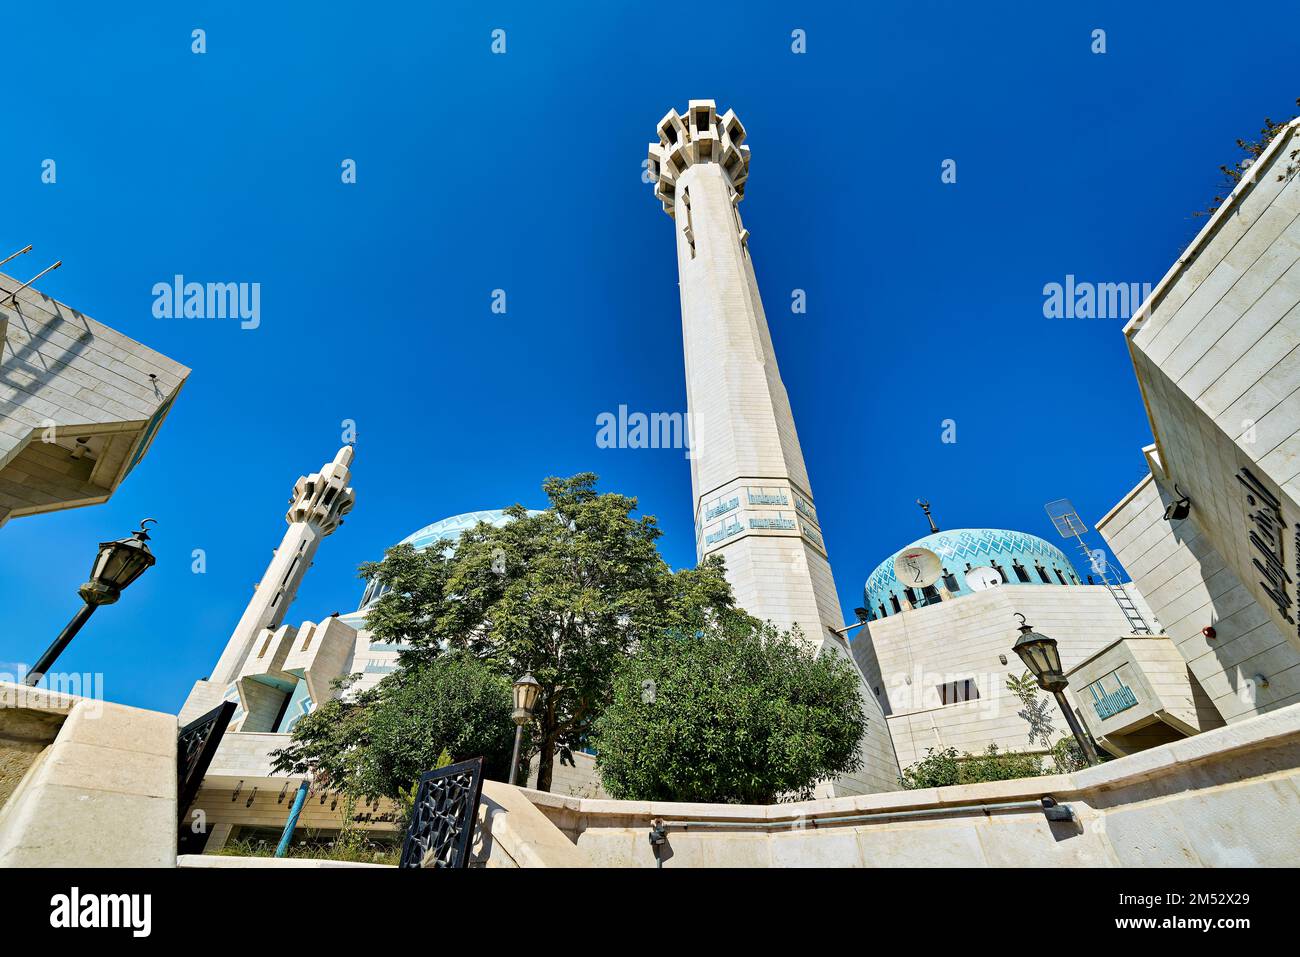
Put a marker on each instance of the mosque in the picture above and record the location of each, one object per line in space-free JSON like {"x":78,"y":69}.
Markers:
{"x":1209,"y":536}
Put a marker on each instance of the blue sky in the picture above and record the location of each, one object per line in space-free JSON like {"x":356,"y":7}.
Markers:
{"x":521,"y":172}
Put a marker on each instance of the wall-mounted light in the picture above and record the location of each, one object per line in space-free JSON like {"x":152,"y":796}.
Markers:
{"x":1209,"y":632}
{"x":1180,"y":509}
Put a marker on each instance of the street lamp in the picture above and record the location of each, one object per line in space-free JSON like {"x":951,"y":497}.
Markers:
{"x":1041,"y":657}
{"x":526,"y":690}
{"x":117,"y":565}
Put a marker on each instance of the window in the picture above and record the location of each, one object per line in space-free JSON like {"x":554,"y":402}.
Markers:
{"x":955,"y":692}
{"x":1002,"y":572}
{"x":883,"y":613}
{"x":1022,"y":573}
{"x":930,"y":595}
{"x":893,"y":600}
{"x":1042,"y":573}
{"x":911,"y":596}
{"x":950,"y":582}
{"x":689,"y":228}
{"x":1060,"y":576}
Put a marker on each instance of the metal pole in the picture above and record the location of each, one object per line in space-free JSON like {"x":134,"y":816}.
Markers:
{"x":1085,"y":742}
{"x":514,"y":762}
{"x":299,"y":800}
{"x":61,"y":642}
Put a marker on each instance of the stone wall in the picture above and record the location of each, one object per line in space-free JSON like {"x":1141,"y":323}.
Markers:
{"x":907,"y":656}
{"x":80,"y":403}
{"x":85,"y":783}
{"x":1181,"y":573}
{"x":1226,"y":798}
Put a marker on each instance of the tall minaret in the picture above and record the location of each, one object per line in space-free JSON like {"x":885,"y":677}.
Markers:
{"x":753,"y":501}
{"x":317,"y":507}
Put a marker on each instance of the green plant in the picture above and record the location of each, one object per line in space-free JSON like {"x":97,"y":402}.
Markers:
{"x":739,"y":713}
{"x":443,"y":709}
{"x":1034,"y":710}
{"x":1253,"y":149}
{"x":945,"y":767}
{"x":1067,"y":756}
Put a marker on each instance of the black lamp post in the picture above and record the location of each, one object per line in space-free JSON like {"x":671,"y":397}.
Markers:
{"x":1041,"y":657}
{"x":526,"y":690}
{"x":117,"y":565}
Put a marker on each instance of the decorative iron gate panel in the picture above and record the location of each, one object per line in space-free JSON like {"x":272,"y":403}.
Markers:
{"x":443,"y":818}
{"x":195,"y":745}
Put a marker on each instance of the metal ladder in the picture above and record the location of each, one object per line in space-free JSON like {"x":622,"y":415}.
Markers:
{"x":1130,"y":610}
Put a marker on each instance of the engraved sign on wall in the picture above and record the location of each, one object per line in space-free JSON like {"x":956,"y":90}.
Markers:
{"x":1268,"y":533}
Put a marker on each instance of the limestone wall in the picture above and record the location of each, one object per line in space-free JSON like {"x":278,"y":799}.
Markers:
{"x":66,"y":378}
{"x":1226,"y":798}
{"x":1191,"y":586}
{"x":908,"y":656}
{"x":84,"y":783}
{"x":1215,"y":352}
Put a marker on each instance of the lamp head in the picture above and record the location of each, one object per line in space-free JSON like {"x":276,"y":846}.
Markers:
{"x":117,"y":565}
{"x":1041,"y":657}
{"x":526,"y":690}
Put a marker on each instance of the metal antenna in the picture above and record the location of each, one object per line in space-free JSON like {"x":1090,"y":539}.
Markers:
{"x":925,"y":507}
{"x":17,"y":254}
{"x":1067,"y":521}
{"x":33,"y":279}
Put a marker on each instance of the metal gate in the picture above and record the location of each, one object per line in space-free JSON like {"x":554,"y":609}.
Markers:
{"x":195,"y":745}
{"x":443,"y":818}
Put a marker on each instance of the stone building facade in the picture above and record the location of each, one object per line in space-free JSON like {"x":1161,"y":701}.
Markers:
{"x":80,"y":404}
{"x":1211,"y":535}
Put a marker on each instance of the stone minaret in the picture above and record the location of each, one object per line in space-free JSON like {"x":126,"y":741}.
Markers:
{"x":753,"y":501}
{"x":319,"y":502}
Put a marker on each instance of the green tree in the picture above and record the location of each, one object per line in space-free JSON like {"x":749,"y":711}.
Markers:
{"x":435,"y":712}
{"x":565,"y":593}
{"x":740,"y":713}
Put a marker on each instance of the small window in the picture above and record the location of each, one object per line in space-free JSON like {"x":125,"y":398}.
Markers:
{"x":955,"y":692}
{"x":911,"y":596}
{"x":893,"y":600}
{"x":1002,"y":572}
{"x":1060,"y":576}
{"x":1022,"y":573}
{"x":1042,"y":573}
{"x":883,"y":613}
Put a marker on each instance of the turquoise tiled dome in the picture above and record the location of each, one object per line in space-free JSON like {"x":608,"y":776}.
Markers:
{"x":963,"y":548}
{"x":446,"y":530}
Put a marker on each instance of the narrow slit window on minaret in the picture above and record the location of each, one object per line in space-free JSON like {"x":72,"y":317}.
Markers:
{"x":690,"y":230}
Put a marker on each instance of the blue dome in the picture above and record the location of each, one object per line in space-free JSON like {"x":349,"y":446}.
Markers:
{"x":448,"y":531}
{"x":1020,"y":559}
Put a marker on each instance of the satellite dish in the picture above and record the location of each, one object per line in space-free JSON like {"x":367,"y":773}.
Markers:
{"x":982,"y":578}
{"x":917,"y":567}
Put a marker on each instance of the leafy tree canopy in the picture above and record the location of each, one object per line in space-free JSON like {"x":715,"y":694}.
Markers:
{"x":741,"y":713}
{"x":378,"y":743}
{"x":565,"y":593}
